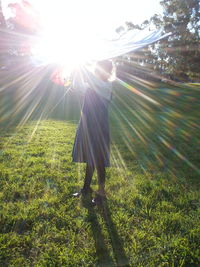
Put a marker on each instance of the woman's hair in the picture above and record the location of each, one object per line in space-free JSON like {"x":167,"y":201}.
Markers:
{"x":104,"y":68}
{"x":105,"y":65}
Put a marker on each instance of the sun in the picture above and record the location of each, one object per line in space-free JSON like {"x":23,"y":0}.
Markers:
{"x":69,"y":33}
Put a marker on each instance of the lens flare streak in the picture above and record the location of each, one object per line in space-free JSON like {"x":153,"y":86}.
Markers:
{"x":178,"y":154}
{"x":137,"y":92}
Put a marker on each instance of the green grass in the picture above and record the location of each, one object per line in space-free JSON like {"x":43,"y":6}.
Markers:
{"x":152,"y":214}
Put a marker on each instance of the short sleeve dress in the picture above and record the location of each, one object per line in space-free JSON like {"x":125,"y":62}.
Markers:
{"x":92,"y":141}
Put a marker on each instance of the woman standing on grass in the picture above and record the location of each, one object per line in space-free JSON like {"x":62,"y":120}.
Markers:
{"x":92,"y":142}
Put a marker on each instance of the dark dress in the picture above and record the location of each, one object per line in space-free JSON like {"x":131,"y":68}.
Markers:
{"x":92,"y":142}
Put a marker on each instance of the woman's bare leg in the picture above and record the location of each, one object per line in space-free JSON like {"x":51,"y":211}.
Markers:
{"x":88,"y":176}
{"x":101,"y":173}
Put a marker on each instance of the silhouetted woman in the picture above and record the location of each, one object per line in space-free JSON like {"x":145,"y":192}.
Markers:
{"x":92,"y":142}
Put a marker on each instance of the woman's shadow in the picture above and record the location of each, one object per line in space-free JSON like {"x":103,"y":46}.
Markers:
{"x":104,"y":256}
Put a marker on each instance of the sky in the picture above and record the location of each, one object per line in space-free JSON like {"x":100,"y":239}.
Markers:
{"x":105,"y":12}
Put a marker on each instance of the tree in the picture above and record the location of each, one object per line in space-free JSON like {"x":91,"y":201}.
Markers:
{"x":2,"y":19}
{"x":3,"y":38}
{"x":182,"y":50}
{"x":178,"y":55}
{"x":17,"y":35}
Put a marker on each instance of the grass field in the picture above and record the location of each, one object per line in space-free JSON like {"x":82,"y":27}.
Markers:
{"x":152,"y":213}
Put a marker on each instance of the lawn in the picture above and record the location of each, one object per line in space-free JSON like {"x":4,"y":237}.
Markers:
{"x":152,"y":213}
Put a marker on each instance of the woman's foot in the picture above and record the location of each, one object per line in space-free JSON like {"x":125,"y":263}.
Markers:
{"x":99,"y":198}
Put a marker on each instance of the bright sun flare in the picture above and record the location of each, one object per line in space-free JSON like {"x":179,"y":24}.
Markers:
{"x":69,"y":32}
{"x":72,"y":31}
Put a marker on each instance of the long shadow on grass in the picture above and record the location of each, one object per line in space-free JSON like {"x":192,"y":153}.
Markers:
{"x":104,"y":258}
{"x":117,"y":244}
